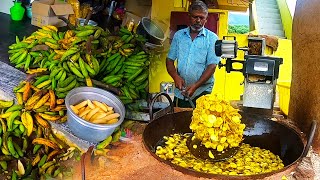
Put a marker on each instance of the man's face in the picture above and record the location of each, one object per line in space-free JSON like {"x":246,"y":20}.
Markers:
{"x":198,"y":19}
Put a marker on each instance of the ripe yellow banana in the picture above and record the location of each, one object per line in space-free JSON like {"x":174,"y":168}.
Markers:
{"x":46,"y":28}
{"x":50,"y":28}
{"x":74,"y":109}
{"x":53,"y":153}
{"x":35,"y":88}
{"x":53,"y":46}
{"x":44,"y":123}
{"x":21,"y":88}
{"x":34,"y":98}
{"x":89,"y":82}
{"x":52,"y":99}
{"x":49,"y":117}
{"x":98,"y":115}
{"x":57,"y":56}
{"x":128,"y":50}
{"x":65,"y":46}
{"x":29,"y":41}
{"x":32,"y":37}
{"x":43,"y":35}
{"x":26,"y":92}
{"x":19,"y":98}
{"x":27,"y":121}
{"x":59,"y":51}
{"x":41,"y":102}
{"x":60,"y":101}
{"x":5,"y":115}
{"x":44,"y":83}
{"x":5,"y":151}
{"x":38,"y":70}
{"x":45,"y":142}
{"x":36,"y":160}
{"x":69,"y":34}
{"x":63,"y":119}
{"x":59,"y":108}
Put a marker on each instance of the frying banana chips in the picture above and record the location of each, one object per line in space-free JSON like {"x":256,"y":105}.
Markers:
{"x":247,"y":161}
{"x":216,"y":123}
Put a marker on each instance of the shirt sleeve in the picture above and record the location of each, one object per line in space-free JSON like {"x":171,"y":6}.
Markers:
{"x":211,"y":57}
{"x":173,"y":51}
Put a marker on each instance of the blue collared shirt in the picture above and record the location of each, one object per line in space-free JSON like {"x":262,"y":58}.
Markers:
{"x":193,"y":57}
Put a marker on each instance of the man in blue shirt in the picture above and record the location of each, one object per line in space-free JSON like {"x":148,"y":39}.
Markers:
{"x":193,"y":49}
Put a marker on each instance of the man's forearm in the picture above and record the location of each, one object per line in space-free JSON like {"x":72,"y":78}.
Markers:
{"x":208,"y":73}
{"x":171,"y":68}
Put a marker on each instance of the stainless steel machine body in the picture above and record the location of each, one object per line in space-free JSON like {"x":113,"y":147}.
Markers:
{"x":260,"y":72}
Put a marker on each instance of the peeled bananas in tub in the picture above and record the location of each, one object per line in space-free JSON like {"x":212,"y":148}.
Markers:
{"x":95,"y":112}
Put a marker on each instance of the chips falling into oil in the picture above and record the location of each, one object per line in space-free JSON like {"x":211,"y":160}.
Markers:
{"x":216,"y":123}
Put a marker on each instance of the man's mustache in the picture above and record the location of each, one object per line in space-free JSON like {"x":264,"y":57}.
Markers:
{"x":197,"y":24}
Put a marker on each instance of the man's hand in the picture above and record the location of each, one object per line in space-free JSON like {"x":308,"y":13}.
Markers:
{"x":179,"y":82}
{"x":204,"y":77}
{"x":190,"y":90}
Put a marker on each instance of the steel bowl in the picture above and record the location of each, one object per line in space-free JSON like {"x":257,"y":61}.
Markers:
{"x":90,"y":22}
{"x":151,"y":31}
{"x":86,"y":130}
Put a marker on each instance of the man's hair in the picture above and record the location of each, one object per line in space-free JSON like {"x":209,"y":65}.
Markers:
{"x":198,"y":5}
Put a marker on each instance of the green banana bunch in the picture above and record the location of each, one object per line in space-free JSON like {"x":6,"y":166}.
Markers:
{"x":77,"y":56}
{"x":114,"y":80}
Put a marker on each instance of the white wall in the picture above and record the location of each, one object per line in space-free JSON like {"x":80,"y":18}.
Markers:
{"x":291,"y":6}
{"x":5,"y":6}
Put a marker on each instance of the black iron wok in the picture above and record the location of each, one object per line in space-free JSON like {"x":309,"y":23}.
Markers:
{"x":259,"y":132}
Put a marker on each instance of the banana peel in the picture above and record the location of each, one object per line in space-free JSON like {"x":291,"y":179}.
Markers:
{"x":21,"y":170}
